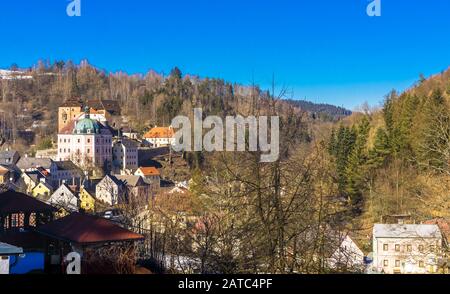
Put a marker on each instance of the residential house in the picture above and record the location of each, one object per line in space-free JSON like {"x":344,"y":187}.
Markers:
{"x":110,"y":191}
{"x":160,"y":137}
{"x":150,"y":173}
{"x":9,"y":157}
{"x":47,"y":153}
{"x":43,"y":190}
{"x":346,"y":254}
{"x":125,"y":156}
{"x":406,"y":248}
{"x":45,"y":166}
{"x":65,"y":198}
{"x":67,"y":172}
{"x":138,"y":188}
{"x":87,"y":199}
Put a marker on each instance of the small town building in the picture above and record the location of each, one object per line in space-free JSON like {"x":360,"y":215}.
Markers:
{"x":9,"y":157}
{"x":160,"y":137}
{"x":42,"y":190}
{"x":67,"y":172}
{"x":406,"y":248}
{"x":87,"y":199}
{"x":111,"y":191}
{"x":65,"y":198}
{"x":150,"y":173}
{"x":125,"y":156}
{"x":87,"y":143}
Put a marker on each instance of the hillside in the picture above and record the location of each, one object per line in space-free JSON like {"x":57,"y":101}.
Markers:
{"x":321,"y":110}
{"x":29,"y":98}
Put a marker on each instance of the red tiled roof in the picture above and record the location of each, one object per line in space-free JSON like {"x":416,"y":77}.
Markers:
{"x":150,"y":171}
{"x":68,"y":129}
{"x":159,"y":132}
{"x":443,"y":224}
{"x":14,"y":202}
{"x":86,"y":229}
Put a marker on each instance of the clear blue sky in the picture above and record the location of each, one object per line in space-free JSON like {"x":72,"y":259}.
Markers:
{"x":325,"y":50}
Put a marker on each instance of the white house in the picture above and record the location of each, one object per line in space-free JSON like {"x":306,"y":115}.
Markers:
{"x":110,"y":190}
{"x":160,"y":137}
{"x":65,"y":198}
{"x":406,"y":248}
{"x":347,"y":255}
{"x":125,"y":156}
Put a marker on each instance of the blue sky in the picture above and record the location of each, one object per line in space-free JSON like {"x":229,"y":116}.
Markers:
{"x":325,"y":50}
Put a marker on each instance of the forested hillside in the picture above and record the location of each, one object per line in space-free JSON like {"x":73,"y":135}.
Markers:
{"x":397,"y":160}
{"x":29,"y":98}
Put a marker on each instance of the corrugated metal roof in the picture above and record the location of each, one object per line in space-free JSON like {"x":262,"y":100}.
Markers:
{"x":406,"y":231}
{"x":85,"y":229}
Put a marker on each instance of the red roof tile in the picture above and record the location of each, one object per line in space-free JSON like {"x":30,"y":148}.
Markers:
{"x":86,"y":229}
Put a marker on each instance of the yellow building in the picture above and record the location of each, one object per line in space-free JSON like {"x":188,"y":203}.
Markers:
{"x":87,"y":200}
{"x":69,"y":111}
{"x":42,"y":190}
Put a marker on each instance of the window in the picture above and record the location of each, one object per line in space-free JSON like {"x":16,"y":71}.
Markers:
{"x":397,"y":247}
{"x":386,"y":262}
{"x":409,"y":248}
{"x":397,"y":263}
{"x":420,"y":248}
{"x":421,"y":264}
{"x":385,"y":247}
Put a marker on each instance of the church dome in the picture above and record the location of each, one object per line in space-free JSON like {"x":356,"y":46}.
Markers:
{"x":87,"y":126}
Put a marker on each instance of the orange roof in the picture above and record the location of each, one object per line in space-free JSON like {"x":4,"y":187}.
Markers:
{"x":150,"y":171}
{"x":160,"y":132}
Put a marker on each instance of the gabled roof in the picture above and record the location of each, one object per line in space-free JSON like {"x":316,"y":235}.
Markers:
{"x":112,"y":106}
{"x":67,"y":165}
{"x":86,"y":229}
{"x":32,"y":162}
{"x":131,"y":180}
{"x":406,"y":231}
{"x":160,"y":132}
{"x":13,"y":202}
{"x":45,"y":184}
{"x":68,"y":128}
{"x":149,"y":171}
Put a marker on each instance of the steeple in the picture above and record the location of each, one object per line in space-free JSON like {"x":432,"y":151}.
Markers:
{"x":86,"y":112}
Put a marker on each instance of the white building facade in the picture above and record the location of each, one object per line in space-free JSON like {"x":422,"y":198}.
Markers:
{"x":85,"y":142}
{"x":125,"y":156}
{"x":406,"y":248}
